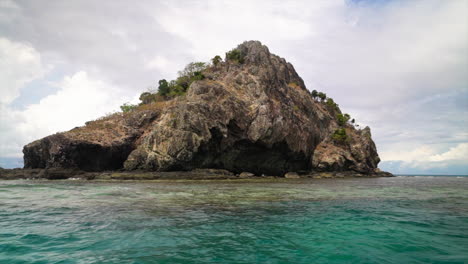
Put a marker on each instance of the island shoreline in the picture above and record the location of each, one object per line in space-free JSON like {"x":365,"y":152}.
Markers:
{"x":197,"y":174}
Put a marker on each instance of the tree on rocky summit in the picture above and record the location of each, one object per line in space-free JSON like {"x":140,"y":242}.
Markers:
{"x":314,"y":94}
{"x":216,"y":60}
{"x":146,"y":97}
{"x":322,"y":96}
{"x":127,"y":107}
{"x":235,"y":55}
{"x":192,"y":68}
{"x":163,"y":88}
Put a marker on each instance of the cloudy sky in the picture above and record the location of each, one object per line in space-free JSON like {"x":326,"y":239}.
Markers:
{"x":400,"y":67}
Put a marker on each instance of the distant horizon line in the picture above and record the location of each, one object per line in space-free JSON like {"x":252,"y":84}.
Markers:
{"x":412,"y":174}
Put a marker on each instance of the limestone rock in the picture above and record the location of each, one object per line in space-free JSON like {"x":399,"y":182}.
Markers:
{"x":103,"y":144}
{"x":358,"y":154}
{"x":246,"y":175}
{"x":292,"y":175}
{"x":254,"y":116}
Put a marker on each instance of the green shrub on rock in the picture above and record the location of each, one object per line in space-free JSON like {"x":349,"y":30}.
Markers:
{"x":148,"y":97}
{"x":167,"y":90}
{"x":342,"y":119}
{"x":235,"y":56}
{"x":322,"y":96}
{"x":192,"y":68}
{"x":340,"y":136}
{"x":331,"y":103}
{"x":127,"y":107}
{"x":163,"y":88}
{"x":216,"y":60}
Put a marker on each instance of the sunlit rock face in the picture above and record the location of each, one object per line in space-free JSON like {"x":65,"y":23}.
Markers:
{"x":254,"y":116}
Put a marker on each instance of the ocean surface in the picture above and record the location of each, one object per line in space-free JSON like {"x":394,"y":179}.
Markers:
{"x":384,"y":220}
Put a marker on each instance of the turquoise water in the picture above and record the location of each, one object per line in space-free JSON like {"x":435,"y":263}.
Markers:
{"x":385,"y":220}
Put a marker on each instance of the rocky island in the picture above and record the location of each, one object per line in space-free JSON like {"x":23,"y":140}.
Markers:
{"x":245,"y":116}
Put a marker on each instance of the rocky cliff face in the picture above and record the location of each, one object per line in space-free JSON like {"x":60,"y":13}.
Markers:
{"x":254,"y":116}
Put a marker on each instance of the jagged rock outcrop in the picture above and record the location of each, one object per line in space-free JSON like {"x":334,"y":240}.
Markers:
{"x":103,"y":144}
{"x":357,"y":154}
{"x":255,"y":116}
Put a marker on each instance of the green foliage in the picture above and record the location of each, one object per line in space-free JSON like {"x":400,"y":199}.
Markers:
{"x":235,"y":55}
{"x":342,"y":119}
{"x":176,"y":89}
{"x":314,"y":94}
{"x":331,"y":103}
{"x":148,"y":97}
{"x":197,"y":76}
{"x":216,"y":60}
{"x":192,"y":68}
{"x":144,"y":97}
{"x":127,"y":107}
{"x":181,"y":83}
{"x":192,"y":72}
{"x":166,"y":90}
{"x":163,"y":88}
{"x":322,"y":96}
{"x":340,"y":135}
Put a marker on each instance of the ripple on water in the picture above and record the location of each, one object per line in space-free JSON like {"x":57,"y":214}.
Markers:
{"x":395,"y":220}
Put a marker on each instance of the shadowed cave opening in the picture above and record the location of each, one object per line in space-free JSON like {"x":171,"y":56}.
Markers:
{"x":76,"y":155}
{"x":237,"y":154}
{"x":92,"y":157}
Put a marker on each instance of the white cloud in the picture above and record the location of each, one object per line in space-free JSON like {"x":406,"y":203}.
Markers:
{"x":214,"y":26}
{"x":164,"y":65}
{"x":20,"y":64}
{"x":460,"y":153}
{"x":394,"y":53}
{"x":426,"y":156}
{"x":409,"y":155}
{"x":80,"y":98}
